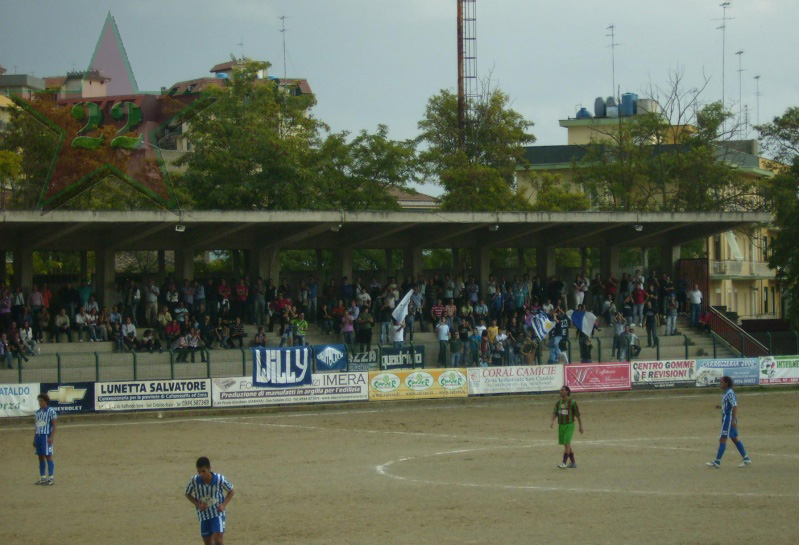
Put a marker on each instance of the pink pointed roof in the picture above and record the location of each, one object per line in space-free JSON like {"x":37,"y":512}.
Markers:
{"x":111,"y":59}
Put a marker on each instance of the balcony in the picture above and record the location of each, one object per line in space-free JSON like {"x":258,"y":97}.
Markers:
{"x":742,"y":269}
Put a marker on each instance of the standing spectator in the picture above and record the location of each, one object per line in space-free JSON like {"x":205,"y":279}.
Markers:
{"x":347,"y":329}
{"x":172,"y":332}
{"x":639,"y":297}
{"x":172,"y":297}
{"x":47,"y":296}
{"x":695,"y":299}
{"x":151,"y":303}
{"x":417,"y":300}
{"x":386,"y":308}
{"x":327,"y":321}
{"x":187,"y":294}
{"x":299,"y":327}
{"x":199,"y":295}
{"x":36,"y":303}
{"x":258,"y":293}
{"x":456,"y":350}
{"x":651,"y":319}
{"x":619,"y":323}
{"x":366,"y":323}
{"x":242,"y":294}
{"x":85,"y":291}
{"x":598,"y":290}
{"x":671,"y":316}
{"x":17,"y":304}
{"x":181,"y":314}
{"x":442,"y":334}
{"x":223,"y":292}
{"x":313,"y":299}
{"x":399,"y":334}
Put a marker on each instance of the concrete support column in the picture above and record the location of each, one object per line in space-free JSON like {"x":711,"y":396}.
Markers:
{"x":412,"y":262}
{"x":105,"y":277}
{"x":669,"y":255}
{"x":319,"y":272}
{"x":23,"y":269}
{"x":482,"y":262}
{"x":265,"y":262}
{"x":391,"y":268}
{"x":84,"y":265}
{"x":545,"y":262}
{"x":184,"y":265}
{"x":344,"y":263}
{"x":609,"y":261}
{"x":584,"y":259}
{"x":236,"y":259}
{"x":161,"y":275}
{"x":520,"y":266}
{"x":457,"y":262}
{"x":2,"y":265}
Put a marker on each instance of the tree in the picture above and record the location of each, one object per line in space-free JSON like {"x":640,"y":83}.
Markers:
{"x":675,"y":159}
{"x":480,"y":174}
{"x":258,"y":146}
{"x":781,"y":136}
{"x":552,"y":194}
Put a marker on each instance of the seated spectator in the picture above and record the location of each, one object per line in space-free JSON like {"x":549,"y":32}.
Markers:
{"x":149,"y":342}
{"x":83,"y":323}
{"x":117,"y":337}
{"x":195,"y":344}
{"x":172,"y":332}
{"x":260,"y":338}
{"x":129,"y":335}
{"x":17,"y":347}
{"x":104,"y":325}
{"x":5,"y":351}
{"x":237,"y":332}
{"x":704,"y":322}
{"x":181,"y":347}
{"x":96,"y":331}
{"x":43,"y":323}
{"x":207,"y":332}
{"x":27,"y":338}
{"x":529,"y":349}
{"x":62,"y":325}
{"x":162,"y":319}
{"x":222,"y":332}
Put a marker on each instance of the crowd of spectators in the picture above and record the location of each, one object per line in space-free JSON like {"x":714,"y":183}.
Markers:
{"x":473,"y":327}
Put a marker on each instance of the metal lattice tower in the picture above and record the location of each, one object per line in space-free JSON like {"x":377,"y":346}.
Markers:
{"x":468,"y":85}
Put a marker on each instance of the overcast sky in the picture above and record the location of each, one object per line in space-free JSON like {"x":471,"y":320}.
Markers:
{"x":378,"y":61}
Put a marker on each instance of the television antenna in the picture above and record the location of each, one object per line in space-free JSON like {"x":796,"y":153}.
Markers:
{"x":283,"y":32}
{"x":723,"y":29}
{"x":740,"y":54}
{"x":612,"y":46}
{"x":241,"y":46}
{"x":757,"y":98}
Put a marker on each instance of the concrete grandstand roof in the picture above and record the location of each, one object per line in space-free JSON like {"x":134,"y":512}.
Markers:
{"x":299,"y":229}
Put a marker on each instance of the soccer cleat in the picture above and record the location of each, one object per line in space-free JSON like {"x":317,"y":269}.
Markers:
{"x":572,"y":466}
{"x":49,"y":482}
{"x":713,"y":465}
{"x":41,"y":481}
{"x":746,"y":462}
{"x":562,"y":466}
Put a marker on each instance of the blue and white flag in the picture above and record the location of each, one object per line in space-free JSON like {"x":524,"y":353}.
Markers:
{"x":542,"y":325}
{"x":582,"y":320}
{"x":401,"y":309}
{"x":281,"y":367}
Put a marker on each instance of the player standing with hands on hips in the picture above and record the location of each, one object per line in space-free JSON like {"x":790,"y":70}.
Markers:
{"x":729,"y":425}
{"x":566,"y":411}
{"x":43,"y":439}
{"x":210,"y":493}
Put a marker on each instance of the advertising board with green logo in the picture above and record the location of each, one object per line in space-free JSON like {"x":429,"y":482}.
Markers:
{"x":422,"y":384}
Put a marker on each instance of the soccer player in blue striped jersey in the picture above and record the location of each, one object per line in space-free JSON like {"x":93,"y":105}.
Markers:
{"x":729,"y":425}
{"x":210,"y":493}
{"x":46,"y":419}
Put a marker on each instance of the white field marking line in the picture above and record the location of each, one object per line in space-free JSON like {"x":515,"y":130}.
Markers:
{"x":109,"y":424}
{"x":383,"y":470}
{"x":685,"y":449}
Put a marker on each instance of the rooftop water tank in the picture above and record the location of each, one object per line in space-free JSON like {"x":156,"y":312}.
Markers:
{"x":612,"y":111}
{"x":610,"y":101}
{"x":599,"y":107}
{"x":628,"y":101}
{"x":583,"y":114}
{"x":646,"y":105}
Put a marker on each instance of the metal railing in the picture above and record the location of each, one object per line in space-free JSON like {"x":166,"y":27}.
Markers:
{"x":738,"y":339}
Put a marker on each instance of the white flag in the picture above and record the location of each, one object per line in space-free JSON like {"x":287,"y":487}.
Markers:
{"x":401,"y":310}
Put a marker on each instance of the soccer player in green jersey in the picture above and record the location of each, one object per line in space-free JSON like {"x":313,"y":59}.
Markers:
{"x":566,"y":411}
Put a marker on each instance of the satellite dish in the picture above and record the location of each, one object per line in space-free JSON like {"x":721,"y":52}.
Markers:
{"x":233,"y":58}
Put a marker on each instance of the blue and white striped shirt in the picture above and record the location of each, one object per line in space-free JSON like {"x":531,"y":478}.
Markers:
{"x":728,"y":401}
{"x":44,"y":420}
{"x":211,"y":494}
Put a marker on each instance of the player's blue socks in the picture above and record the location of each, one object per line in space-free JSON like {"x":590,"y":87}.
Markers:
{"x":42,"y":474}
{"x":722,"y":448}
{"x":51,"y":468}
{"x":741,"y":449}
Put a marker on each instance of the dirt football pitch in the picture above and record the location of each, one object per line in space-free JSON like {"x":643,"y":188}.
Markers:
{"x":480,"y":471}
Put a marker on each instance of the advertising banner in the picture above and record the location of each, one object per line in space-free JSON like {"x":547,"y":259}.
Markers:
{"x":515,"y":379}
{"x":152,"y":394}
{"x":77,"y":397}
{"x":593,"y":377}
{"x":281,"y":367}
{"x":330,"y":357}
{"x":402,"y":358}
{"x":779,"y":370}
{"x":663,"y":374}
{"x":744,"y":372}
{"x":325,"y":387}
{"x":427,"y":384}
{"x":18,"y":399}
{"x":364,"y":360}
